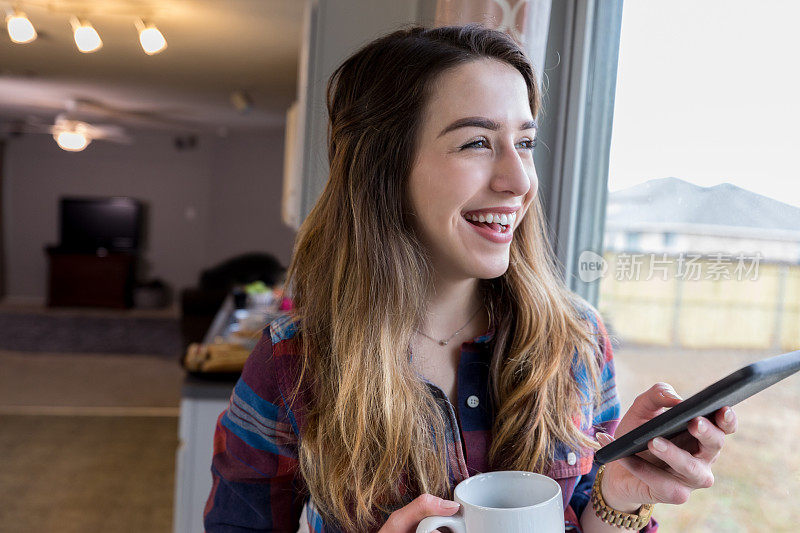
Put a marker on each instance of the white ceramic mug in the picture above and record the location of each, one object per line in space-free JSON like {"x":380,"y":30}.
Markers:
{"x":507,"y":501}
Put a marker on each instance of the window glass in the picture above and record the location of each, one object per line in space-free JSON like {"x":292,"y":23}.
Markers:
{"x":702,"y":238}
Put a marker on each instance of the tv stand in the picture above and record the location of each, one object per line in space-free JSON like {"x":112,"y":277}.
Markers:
{"x":96,"y":279}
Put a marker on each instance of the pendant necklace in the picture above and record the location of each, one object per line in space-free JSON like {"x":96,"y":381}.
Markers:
{"x":444,"y":342}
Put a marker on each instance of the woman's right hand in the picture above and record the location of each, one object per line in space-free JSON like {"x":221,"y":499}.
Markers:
{"x":407,"y":518}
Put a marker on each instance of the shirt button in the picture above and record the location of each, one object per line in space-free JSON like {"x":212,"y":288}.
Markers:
{"x":571,"y":459}
{"x":473,"y":401}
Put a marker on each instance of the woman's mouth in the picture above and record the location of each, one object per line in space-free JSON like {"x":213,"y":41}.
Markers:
{"x":496,"y":227}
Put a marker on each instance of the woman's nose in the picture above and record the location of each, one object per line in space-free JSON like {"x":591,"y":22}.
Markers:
{"x":513,"y":172}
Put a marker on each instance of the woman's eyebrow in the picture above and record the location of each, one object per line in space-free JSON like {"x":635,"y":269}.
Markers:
{"x":482,"y":122}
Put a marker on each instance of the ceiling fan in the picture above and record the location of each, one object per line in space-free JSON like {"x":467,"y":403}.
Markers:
{"x":71,"y":134}
{"x":170,"y":119}
{"x":75,"y":135}
{"x":75,"y":128}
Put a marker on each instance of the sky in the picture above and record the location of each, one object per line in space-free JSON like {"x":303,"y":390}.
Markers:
{"x":707,"y":91}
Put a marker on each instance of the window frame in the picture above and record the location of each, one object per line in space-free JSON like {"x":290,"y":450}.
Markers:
{"x":580,"y":78}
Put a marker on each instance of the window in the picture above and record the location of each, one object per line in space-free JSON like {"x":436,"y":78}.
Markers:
{"x":632,"y":241}
{"x":701,"y":155}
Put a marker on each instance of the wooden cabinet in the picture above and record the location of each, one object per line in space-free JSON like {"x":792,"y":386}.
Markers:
{"x":90,"y":279}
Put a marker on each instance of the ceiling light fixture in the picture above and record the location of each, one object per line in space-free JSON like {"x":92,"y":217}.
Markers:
{"x":151,"y":39}
{"x":86,"y":37}
{"x":71,"y":135}
{"x":20,"y":29}
{"x":71,"y":141}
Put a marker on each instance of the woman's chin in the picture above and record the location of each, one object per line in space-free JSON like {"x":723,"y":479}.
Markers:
{"x":490,"y":269}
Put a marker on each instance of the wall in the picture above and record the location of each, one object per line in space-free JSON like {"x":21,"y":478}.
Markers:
{"x":334,"y":29}
{"x":205,"y":204}
{"x":245,"y":206}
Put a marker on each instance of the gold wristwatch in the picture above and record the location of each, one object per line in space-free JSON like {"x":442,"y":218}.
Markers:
{"x":618,"y":518}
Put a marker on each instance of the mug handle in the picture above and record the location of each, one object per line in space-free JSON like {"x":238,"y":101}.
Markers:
{"x":455,"y":523}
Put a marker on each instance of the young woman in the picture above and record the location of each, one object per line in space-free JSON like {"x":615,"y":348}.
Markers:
{"x":432,"y":338}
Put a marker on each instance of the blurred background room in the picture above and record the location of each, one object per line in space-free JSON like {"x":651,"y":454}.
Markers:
{"x":158,"y":156}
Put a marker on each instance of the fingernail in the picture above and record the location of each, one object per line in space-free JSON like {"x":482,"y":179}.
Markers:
{"x":449,"y":504}
{"x":728,"y":416}
{"x":660,"y":444}
{"x":603,"y":438}
{"x":701,"y":426}
{"x":670,"y":393}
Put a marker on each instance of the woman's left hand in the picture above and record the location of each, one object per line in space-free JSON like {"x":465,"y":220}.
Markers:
{"x":668,"y":471}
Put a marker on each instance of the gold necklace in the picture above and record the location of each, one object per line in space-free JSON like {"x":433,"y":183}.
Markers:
{"x":448,"y":339}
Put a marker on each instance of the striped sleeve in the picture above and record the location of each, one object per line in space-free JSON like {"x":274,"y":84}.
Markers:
{"x":606,"y":418}
{"x":255,"y":464}
{"x":607,"y":415}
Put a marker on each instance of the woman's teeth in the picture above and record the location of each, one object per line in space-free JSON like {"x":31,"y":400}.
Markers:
{"x":502,"y":219}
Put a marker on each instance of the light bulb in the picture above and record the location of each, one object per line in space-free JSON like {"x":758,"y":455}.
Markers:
{"x":71,"y":141}
{"x":152,"y":40}
{"x":86,"y":37}
{"x":20,"y":29}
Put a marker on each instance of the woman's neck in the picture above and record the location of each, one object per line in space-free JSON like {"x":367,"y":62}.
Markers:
{"x":451,"y":305}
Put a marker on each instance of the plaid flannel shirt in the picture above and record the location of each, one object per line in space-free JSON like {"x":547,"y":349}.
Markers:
{"x":256,"y":485}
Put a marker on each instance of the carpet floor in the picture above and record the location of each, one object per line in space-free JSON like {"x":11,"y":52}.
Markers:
{"x":70,"y":474}
{"x":67,"y":381}
{"x":82,"y":333}
{"x":87,"y":440}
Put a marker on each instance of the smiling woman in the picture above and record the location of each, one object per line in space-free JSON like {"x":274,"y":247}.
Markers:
{"x":472,"y":173}
{"x":356,"y":404}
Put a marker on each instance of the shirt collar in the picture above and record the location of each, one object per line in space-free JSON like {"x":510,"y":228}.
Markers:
{"x":486,"y":336}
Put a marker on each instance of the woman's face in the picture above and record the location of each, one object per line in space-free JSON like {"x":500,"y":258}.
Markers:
{"x":474,"y":161}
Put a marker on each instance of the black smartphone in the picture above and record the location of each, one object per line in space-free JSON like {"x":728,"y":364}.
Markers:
{"x":728,"y":391}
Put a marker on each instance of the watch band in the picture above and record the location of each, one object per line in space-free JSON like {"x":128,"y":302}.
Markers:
{"x":617,"y":518}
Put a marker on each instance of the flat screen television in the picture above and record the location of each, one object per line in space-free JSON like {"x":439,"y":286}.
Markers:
{"x":88,"y":224}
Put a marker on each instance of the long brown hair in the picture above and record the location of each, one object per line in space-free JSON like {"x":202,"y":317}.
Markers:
{"x":359,"y":278}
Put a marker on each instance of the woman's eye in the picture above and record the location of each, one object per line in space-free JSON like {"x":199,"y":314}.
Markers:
{"x":480,"y":143}
{"x":527,"y":144}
